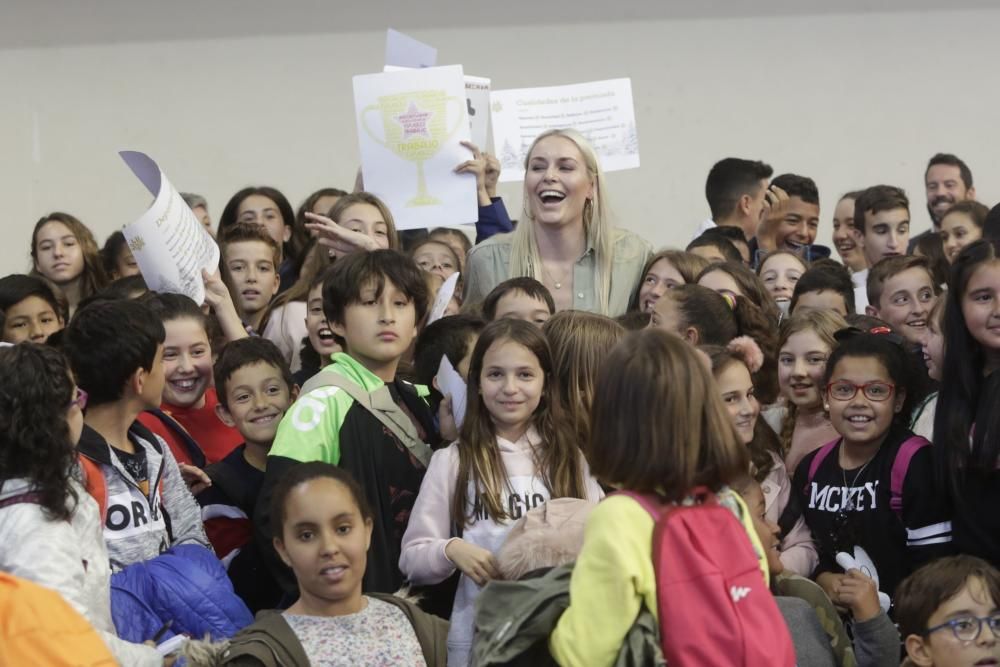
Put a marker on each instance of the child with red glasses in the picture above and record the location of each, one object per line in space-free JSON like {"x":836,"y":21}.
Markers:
{"x":870,"y":491}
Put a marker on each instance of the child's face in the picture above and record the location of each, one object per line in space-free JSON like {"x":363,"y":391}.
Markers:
{"x":521,"y":306}
{"x":255,"y":280}
{"x":453,"y":242}
{"x":125,"y":264}
{"x":187,"y":363}
{"x":799,"y":226}
{"x":378,"y":329}
{"x":31,"y":319}
{"x":767,"y":531}
{"x":932,"y":347}
{"x":511,"y":384}
{"x":958,"y":231}
{"x":320,"y":334}
{"x":436,"y":257}
{"x":887,"y":233}
{"x":662,"y":276}
{"x":826,"y":299}
{"x":801,"y":364}
{"x":906,"y":301}
{"x":258,"y":398}
{"x":981,"y":306}
{"x":325,"y":541}
{"x":862,"y":420}
{"x":845,"y":235}
{"x":737,"y":391}
{"x":780,"y":274}
{"x":59,"y":256}
{"x":367,"y":219}
{"x":263,"y":211}
{"x":942,"y":648}
{"x":721,"y":282}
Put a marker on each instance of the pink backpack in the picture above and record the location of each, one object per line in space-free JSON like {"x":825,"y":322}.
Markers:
{"x":714,"y":606}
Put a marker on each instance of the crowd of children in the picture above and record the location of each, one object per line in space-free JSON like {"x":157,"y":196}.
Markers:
{"x":743,"y":452}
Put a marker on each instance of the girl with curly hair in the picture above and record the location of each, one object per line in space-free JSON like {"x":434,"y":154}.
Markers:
{"x":50,"y":527}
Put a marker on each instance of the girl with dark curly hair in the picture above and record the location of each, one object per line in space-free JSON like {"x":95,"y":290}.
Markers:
{"x":50,"y":527}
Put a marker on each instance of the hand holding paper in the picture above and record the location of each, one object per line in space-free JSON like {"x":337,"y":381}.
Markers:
{"x":451,"y":384}
{"x":479,"y":165}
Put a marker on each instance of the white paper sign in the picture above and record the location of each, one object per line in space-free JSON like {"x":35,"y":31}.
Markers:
{"x":443,"y":298}
{"x":169,"y":243}
{"x":410,"y":127}
{"x":477,"y":98}
{"x":450,"y":383}
{"x":402,"y":50}
{"x":601,"y":111}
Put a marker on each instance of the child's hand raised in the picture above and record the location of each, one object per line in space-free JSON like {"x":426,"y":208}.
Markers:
{"x":216,"y":292}
{"x":860,"y":594}
{"x":341,"y":239}
{"x":475,"y":562}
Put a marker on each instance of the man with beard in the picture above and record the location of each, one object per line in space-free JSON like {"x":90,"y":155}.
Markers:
{"x":947,"y":180}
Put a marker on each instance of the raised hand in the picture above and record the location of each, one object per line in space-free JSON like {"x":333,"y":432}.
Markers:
{"x":341,"y":240}
{"x":478,"y":165}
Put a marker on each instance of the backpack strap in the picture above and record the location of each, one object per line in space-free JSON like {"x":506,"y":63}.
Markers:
{"x":30,"y":497}
{"x":821,"y":455}
{"x":96,"y":485}
{"x":381,"y":405}
{"x":900,"y":466}
{"x":190,"y":445}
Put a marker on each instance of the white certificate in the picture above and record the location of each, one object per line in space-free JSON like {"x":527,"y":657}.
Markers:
{"x":601,"y":111}
{"x":169,"y":243}
{"x":410,"y":127}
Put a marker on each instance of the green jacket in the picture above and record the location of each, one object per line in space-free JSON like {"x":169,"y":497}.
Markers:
{"x":271,"y":642}
{"x":515,"y":618}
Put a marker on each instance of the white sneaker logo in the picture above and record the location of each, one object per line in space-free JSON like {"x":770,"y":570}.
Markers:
{"x":738,"y":592}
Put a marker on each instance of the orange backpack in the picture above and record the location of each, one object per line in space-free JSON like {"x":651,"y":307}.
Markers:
{"x":38,"y":627}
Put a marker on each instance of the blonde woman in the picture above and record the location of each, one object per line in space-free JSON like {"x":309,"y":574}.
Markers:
{"x":565,"y":240}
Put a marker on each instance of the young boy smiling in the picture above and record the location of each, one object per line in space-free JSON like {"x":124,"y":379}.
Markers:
{"x":380,"y":434}
{"x":255,"y":389}
{"x":882,"y":218}
{"x":901,"y":291}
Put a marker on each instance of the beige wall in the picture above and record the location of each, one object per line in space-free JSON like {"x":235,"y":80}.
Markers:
{"x":849,"y":100}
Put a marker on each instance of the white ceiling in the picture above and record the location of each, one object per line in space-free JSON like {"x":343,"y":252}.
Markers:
{"x":45,"y":23}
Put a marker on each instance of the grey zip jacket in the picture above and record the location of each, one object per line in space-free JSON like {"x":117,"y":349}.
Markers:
{"x":140,"y":525}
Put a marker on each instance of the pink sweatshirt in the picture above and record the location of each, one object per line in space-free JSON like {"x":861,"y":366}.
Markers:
{"x":423,"y":560}
{"x":798,"y":553}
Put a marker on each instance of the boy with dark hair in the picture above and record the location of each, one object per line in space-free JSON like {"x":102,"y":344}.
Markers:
{"x":882,"y":219}
{"x":948,"y":613}
{"x":30,"y":310}
{"x":825,"y":286}
{"x":735,"y":236}
{"x":452,"y":337}
{"x":715,"y":248}
{"x":255,"y":389}
{"x":947,"y":181}
{"x":735,"y":190}
{"x":799,"y":222}
{"x":356,"y":414}
{"x":116,"y":351}
{"x":251,"y":258}
{"x":522,"y":298}
{"x":902,"y":291}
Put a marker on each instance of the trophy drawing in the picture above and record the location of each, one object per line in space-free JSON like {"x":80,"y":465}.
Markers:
{"x":414,"y":127}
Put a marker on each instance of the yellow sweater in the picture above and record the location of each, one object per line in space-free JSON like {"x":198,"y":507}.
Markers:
{"x":612,"y":579}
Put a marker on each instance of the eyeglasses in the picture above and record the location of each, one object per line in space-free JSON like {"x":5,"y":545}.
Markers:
{"x":79,"y":399}
{"x":842,"y":390}
{"x":967,"y":628}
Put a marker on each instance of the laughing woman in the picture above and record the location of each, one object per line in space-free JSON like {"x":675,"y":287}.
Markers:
{"x":565,"y":240}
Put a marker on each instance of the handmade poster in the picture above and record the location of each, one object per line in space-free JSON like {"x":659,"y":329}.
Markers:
{"x":602,"y":111}
{"x":477,"y":99}
{"x":402,"y":50}
{"x":450,"y":383}
{"x":169,"y":243}
{"x":443,"y":298}
{"x":410,"y":127}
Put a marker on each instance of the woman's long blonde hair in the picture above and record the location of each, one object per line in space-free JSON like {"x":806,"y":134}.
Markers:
{"x":524,"y":257}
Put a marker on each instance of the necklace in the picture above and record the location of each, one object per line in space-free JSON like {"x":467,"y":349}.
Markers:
{"x":849,"y":505}
{"x":555,"y":283}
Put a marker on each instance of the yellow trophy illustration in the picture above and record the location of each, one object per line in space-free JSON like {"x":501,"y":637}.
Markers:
{"x":414,"y":126}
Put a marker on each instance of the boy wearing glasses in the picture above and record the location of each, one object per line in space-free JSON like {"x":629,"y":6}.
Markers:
{"x":949,"y":613}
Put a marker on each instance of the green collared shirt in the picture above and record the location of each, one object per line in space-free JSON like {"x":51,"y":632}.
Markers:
{"x":488,"y":265}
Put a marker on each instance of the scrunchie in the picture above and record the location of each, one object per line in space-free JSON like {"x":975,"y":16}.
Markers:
{"x":746,"y":348}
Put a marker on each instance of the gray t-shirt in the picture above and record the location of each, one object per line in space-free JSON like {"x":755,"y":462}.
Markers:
{"x":380,"y":634}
